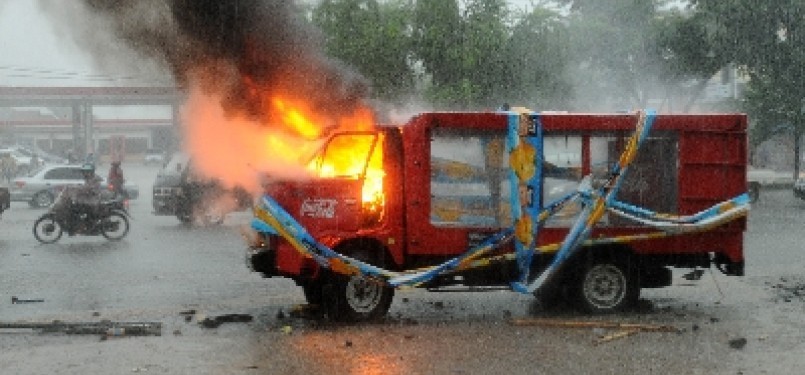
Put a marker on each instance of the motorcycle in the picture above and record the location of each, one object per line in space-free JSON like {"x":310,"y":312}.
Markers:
{"x":108,"y":218}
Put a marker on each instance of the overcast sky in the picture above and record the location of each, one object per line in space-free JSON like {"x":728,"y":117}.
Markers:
{"x":32,"y":54}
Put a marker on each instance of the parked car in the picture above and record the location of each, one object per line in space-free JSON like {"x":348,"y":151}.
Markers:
{"x":153,"y":156}
{"x":37,"y":187}
{"x":799,"y":187}
{"x":167,"y":188}
{"x":44,"y":157}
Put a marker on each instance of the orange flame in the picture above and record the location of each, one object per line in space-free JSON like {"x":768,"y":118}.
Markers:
{"x":294,"y":117}
{"x":235,"y":150}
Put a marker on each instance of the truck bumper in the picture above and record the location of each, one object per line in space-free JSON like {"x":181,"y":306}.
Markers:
{"x":262,"y":260}
{"x":261,"y":254}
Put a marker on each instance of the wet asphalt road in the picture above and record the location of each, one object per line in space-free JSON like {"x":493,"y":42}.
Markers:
{"x":727,"y":325}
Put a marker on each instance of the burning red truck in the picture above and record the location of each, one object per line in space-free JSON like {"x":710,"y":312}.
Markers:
{"x":435,"y":203}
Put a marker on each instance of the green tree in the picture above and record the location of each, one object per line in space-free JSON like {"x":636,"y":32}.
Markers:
{"x":689,"y":53}
{"x":767,"y":40}
{"x":485,"y":38}
{"x":438,"y":46}
{"x":373,"y":38}
{"x":536,"y":56}
{"x":462,"y":52}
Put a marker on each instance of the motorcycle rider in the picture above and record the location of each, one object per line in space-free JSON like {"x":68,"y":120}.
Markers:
{"x":87,"y":196}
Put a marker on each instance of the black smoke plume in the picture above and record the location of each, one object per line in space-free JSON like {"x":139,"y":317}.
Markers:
{"x":236,"y":49}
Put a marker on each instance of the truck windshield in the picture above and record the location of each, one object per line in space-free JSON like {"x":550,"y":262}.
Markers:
{"x":345,"y":155}
{"x":354,"y":156}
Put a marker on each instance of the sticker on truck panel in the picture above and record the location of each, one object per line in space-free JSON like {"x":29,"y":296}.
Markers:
{"x":318,"y":208}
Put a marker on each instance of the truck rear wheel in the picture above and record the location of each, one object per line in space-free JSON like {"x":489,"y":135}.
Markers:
{"x":356,"y":298}
{"x":607,"y":284}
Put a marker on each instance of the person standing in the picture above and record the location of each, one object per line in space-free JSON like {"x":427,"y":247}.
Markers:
{"x":116,"y":179}
{"x":9,"y":167}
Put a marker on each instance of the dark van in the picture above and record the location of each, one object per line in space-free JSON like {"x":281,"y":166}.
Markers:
{"x":178,"y":191}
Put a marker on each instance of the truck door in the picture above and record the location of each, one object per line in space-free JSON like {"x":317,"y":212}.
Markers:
{"x":347,"y":195}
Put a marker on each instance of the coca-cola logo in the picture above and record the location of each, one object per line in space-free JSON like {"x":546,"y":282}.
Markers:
{"x":320,"y":208}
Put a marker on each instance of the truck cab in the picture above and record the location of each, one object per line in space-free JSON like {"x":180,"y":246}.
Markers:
{"x":412,"y":196}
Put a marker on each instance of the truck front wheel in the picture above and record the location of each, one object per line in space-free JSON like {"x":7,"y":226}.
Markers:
{"x":356,"y":298}
{"x":606,"y":285}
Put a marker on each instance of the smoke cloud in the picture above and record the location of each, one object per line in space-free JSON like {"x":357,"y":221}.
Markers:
{"x":233,"y":58}
{"x":235,"y":49}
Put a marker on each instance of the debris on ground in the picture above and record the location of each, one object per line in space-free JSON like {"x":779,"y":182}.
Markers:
{"x":623,"y":329}
{"x":738,"y":343}
{"x":104,"y":327}
{"x":15,"y":300}
{"x":617,"y":335}
{"x":216,"y":321}
{"x":591,"y":324}
{"x":693,"y":275}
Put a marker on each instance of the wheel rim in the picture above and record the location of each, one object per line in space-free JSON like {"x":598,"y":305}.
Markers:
{"x":115,"y":226}
{"x":43,"y":200}
{"x":604,"y":286}
{"x":363,"y":295}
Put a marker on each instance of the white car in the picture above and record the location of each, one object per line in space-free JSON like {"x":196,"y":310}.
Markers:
{"x":156,"y":157}
{"x":38,"y":187}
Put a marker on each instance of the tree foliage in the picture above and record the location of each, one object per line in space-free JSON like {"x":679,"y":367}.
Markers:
{"x":767,"y":39}
{"x":537,"y":54}
{"x":372,"y":38}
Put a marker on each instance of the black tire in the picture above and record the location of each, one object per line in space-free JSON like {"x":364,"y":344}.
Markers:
{"x":115,"y":226}
{"x":313,"y":293}
{"x":606,"y":284}
{"x":42,"y":199}
{"x":185,"y":218}
{"x":356,"y":298}
{"x":47,"y":229}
